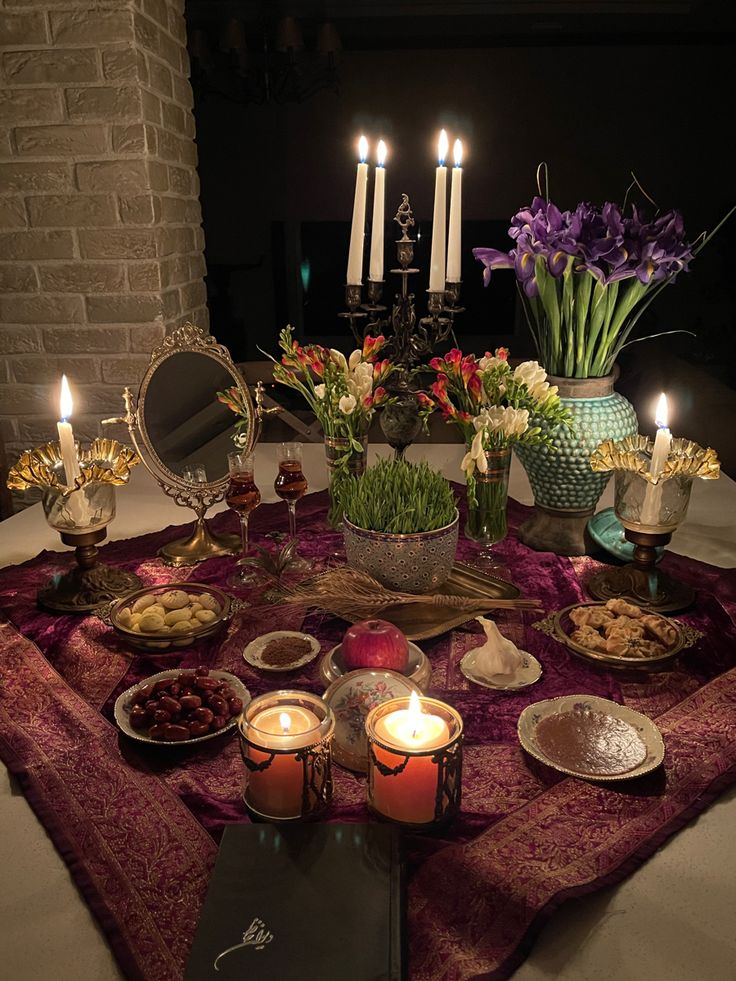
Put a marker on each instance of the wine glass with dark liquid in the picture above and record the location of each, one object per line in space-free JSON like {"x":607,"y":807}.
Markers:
{"x":242,"y":496}
{"x":290,"y":485}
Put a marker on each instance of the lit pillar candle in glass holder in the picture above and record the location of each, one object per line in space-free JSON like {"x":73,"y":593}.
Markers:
{"x":285,"y":741}
{"x":415,"y":760}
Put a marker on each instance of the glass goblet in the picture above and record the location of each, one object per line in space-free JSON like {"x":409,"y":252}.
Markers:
{"x":290,"y":485}
{"x":243,"y":497}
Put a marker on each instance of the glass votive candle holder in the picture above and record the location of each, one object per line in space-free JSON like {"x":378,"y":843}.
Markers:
{"x":81,"y":511}
{"x":286,"y":745}
{"x":659,"y":508}
{"x":414,"y":761}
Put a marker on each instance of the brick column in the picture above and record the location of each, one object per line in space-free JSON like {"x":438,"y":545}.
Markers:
{"x":100,"y":237}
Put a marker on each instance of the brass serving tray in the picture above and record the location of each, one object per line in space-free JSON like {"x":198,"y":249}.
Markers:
{"x":421,"y":621}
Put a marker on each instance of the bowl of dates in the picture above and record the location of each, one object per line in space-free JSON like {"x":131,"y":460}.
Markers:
{"x":181,"y":707}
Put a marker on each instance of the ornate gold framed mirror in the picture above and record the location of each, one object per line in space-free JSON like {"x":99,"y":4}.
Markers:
{"x":183,"y":433}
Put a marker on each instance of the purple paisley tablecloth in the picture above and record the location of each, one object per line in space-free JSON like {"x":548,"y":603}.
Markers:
{"x":139,"y":826}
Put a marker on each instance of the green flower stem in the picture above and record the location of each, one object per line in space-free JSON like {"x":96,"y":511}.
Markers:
{"x":568,"y":304}
{"x":487,"y":516}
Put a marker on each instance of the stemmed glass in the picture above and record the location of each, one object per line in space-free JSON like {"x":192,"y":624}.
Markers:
{"x":290,"y":485}
{"x":242,"y":496}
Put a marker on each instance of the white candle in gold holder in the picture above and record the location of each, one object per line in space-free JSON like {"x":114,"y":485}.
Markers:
{"x":662,"y":443}
{"x":66,"y":435}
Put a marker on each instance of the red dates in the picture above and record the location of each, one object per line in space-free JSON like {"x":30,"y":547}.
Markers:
{"x":176,"y":734}
{"x":189,"y":702}
{"x":186,"y":706}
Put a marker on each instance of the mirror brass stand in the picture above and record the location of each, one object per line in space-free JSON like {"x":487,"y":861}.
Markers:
{"x":187,"y":370}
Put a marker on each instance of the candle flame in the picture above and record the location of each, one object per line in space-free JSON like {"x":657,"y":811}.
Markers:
{"x":414,"y":713}
{"x":661,"y":416}
{"x":65,"y":400}
{"x":381,"y":153}
{"x":457,"y":151}
{"x":363,"y":149}
{"x":442,"y":146}
{"x":285,"y":721}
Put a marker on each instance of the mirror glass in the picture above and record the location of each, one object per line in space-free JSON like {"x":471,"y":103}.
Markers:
{"x":184,"y":425}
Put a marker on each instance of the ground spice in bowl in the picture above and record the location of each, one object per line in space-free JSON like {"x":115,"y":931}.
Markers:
{"x":285,"y":650}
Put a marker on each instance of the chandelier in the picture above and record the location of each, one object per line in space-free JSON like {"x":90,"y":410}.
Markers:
{"x":276,"y":69}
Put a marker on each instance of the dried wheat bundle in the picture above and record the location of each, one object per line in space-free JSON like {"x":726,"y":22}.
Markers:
{"x":349,"y":594}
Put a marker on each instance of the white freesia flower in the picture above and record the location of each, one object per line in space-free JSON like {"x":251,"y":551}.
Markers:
{"x":354,"y":359}
{"x":533,"y":375}
{"x":468,"y":464}
{"x":502,"y":419}
{"x":319,"y":391}
{"x":360,"y":381}
{"x":338,"y":358}
{"x":490,"y":361}
{"x":347,"y":404}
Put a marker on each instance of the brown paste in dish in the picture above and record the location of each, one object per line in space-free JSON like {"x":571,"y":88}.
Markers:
{"x":590,"y":742}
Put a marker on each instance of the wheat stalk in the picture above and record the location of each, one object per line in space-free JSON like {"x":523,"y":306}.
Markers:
{"x":349,"y":593}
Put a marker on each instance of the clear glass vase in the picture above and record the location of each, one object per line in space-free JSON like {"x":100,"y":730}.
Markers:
{"x":337,"y":448}
{"x":486,"y":524}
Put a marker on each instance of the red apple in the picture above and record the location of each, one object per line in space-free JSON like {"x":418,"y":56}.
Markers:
{"x":375,"y":644}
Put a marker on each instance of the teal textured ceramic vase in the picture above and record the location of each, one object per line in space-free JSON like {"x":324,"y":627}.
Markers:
{"x":566,"y":491}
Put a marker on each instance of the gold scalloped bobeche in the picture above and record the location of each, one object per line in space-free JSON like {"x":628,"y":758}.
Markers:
{"x":686,"y":458}
{"x":104,"y":461}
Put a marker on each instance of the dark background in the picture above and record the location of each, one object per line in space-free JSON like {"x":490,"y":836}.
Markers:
{"x":594,"y":89}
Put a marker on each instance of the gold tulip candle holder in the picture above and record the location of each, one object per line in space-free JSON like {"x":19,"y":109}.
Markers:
{"x":286,"y":745}
{"x":80,"y":514}
{"x":415,"y":761}
{"x":650,"y":508}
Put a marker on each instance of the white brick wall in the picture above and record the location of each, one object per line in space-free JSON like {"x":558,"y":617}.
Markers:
{"x":100,"y":224}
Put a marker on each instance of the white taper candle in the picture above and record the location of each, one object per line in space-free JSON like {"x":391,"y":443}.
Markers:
{"x":66,"y":435}
{"x":357,"y":231}
{"x":375,"y":269}
{"x":439,"y":221}
{"x":662,"y":442}
{"x":454,"y":258}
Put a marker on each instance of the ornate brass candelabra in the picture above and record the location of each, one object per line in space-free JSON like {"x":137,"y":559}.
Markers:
{"x":411,"y":341}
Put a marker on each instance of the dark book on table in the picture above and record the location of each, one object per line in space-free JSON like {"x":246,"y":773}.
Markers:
{"x":313,"y":901}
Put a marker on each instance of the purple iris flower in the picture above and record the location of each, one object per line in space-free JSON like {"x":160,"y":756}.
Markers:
{"x":602,"y":241}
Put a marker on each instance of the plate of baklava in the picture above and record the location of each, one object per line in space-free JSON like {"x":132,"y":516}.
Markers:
{"x":619,"y":633}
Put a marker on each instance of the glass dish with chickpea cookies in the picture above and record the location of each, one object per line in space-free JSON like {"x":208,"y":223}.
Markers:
{"x":163,"y":618}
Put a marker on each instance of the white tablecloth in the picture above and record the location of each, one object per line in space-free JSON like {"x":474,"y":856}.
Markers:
{"x":671,"y":921}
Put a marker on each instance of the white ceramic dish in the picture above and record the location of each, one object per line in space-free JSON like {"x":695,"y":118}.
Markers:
{"x":123,"y":706}
{"x":528,"y":673}
{"x":253,"y":653}
{"x":351,"y":698}
{"x":646,"y":729}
